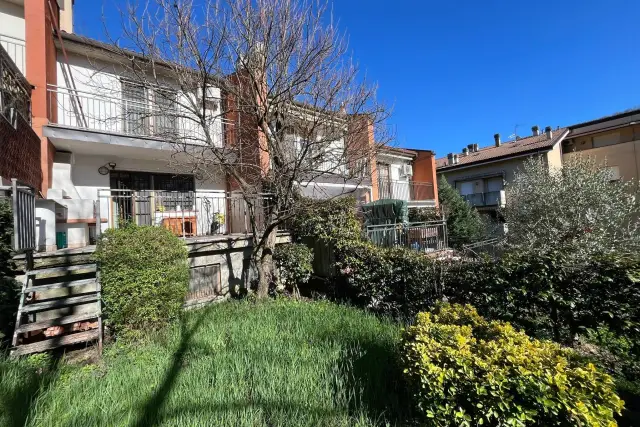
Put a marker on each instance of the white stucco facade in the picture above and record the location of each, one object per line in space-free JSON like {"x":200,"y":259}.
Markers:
{"x":12,"y":32}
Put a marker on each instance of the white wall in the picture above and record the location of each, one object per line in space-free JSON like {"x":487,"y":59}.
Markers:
{"x":12,"y":32}
{"x":45,"y":225}
{"x":100,"y":97}
{"x":12,"y":20}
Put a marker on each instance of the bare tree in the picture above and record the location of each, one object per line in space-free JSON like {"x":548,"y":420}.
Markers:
{"x":278,"y":76}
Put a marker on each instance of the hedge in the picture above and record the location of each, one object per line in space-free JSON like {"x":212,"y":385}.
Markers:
{"x":144,"y":275}
{"x":294,"y":263}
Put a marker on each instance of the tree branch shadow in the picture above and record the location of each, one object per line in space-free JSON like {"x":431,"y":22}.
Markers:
{"x":149,"y":414}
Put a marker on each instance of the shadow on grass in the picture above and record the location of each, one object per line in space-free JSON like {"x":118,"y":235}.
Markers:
{"x":150,"y":412}
{"x":374,"y":377}
{"x":17,"y":402}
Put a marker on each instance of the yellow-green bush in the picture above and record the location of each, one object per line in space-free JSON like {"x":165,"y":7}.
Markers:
{"x":465,"y":371}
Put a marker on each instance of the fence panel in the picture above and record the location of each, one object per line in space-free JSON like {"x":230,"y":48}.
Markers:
{"x":420,"y":236}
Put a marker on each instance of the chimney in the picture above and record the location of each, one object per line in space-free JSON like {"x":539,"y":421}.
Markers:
{"x":470,"y":148}
{"x":475,"y":148}
{"x":66,"y":15}
{"x":496,"y":138}
{"x":450,"y":159}
{"x":535,"y":130}
{"x":548,"y":131}
{"x":455,"y":159}
{"x":465,"y":151}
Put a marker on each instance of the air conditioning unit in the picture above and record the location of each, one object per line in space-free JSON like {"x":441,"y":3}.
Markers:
{"x":407,"y":170}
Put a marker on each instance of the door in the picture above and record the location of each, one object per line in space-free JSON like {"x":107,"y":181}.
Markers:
{"x":384,"y":181}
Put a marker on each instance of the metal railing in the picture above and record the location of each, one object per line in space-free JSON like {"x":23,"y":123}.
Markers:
{"x":186,"y":214}
{"x":490,"y":198}
{"x":15,"y":90}
{"x":23,"y":207}
{"x":161,"y":119}
{"x":15,"y":48}
{"x":490,"y":247}
{"x":427,"y":236}
{"x":405,"y":190}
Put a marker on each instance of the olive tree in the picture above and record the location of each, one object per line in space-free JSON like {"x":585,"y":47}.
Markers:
{"x":578,"y":209}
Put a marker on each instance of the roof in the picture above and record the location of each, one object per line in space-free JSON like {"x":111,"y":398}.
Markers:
{"x":506,"y":150}
{"x":615,"y":116}
{"x":399,"y":151}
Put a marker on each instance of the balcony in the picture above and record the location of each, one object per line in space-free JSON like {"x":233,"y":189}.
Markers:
{"x":156,"y":116}
{"x":410,"y":191}
{"x":15,"y":48}
{"x":490,"y":198}
{"x":15,"y":90}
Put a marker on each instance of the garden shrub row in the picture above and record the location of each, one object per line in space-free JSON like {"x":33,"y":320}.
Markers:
{"x":549,"y":296}
{"x":397,"y":282}
{"x":463,"y":370}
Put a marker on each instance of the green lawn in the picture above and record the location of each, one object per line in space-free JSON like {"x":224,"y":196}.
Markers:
{"x":277,"y":363}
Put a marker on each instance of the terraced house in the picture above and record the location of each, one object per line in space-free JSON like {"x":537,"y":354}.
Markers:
{"x":100,"y":154}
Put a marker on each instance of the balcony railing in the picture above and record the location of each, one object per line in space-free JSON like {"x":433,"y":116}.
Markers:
{"x":15,"y":90}
{"x":420,"y":236}
{"x":405,"y":190}
{"x":15,"y":48}
{"x":490,"y":198}
{"x":186,"y":214}
{"x":162,"y":119}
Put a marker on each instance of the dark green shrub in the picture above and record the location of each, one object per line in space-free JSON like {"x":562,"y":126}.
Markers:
{"x":551,"y":297}
{"x":464,"y":224}
{"x":9,"y":288}
{"x":464,"y":371}
{"x":294,"y":262}
{"x":144,"y":275}
{"x":398,"y":282}
{"x":332,"y":221}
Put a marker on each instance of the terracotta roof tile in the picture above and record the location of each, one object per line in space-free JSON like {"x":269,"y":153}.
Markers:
{"x":507,"y":149}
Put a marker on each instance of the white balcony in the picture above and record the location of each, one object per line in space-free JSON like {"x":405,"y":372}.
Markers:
{"x":16,"y":50}
{"x":168,"y":121}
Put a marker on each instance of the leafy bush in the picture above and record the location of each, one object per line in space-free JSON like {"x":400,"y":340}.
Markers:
{"x":549,"y":295}
{"x":331,"y":221}
{"x":294,"y":262}
{"x":144,"y":276}
{"x":9,"y":288}
{"x":463,"y":371}
{"x":398,"y":282}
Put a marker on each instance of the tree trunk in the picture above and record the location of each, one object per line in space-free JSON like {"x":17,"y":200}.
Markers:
{"x":264,"y":263}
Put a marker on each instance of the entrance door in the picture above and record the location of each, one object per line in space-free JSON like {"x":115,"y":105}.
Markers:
{"x":130,"y":194}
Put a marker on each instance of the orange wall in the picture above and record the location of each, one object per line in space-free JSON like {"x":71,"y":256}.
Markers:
{"x":41,"y":70}
{"x":424,"y":170}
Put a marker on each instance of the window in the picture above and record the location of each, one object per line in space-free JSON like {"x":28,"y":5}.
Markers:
{"x":165,"y":116}
{"x":178,"y":189}
{"x":134,"y":108}
{"x":607,"y":139}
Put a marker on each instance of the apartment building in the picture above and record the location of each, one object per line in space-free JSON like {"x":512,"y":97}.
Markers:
{"x":480,"y":174}
{"x":101,"y":157}
{"x":614,"y":141}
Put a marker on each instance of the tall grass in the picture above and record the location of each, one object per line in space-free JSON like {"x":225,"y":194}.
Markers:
{"x":278,"y":363}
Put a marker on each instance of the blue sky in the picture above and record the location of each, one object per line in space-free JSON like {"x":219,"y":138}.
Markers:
{"x":456,"y":72}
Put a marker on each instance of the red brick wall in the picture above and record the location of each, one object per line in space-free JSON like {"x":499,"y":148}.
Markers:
{"x":20,"y":152}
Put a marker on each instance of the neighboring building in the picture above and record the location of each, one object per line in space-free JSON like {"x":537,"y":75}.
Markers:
{"x":480,"y":174}
{"x":407,"y":174}
{"x":614,"y":140}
